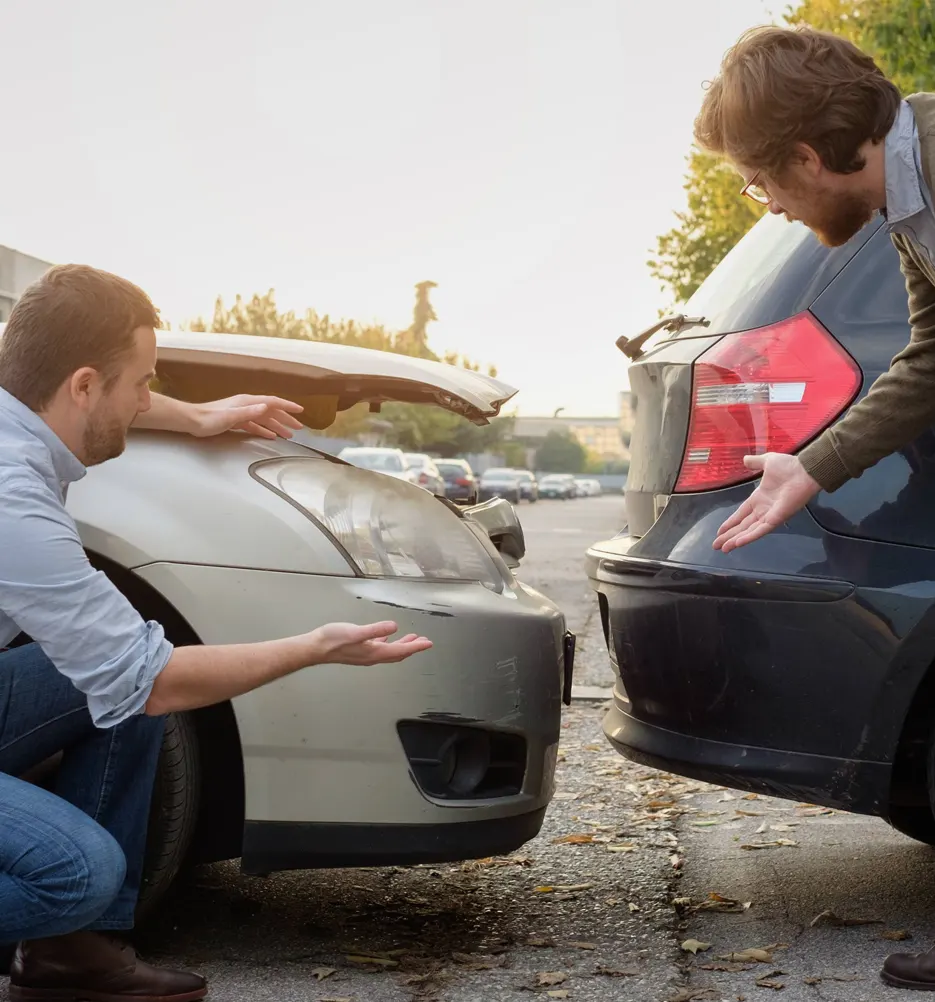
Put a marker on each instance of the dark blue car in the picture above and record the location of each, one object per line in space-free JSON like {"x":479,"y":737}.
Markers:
{"x":801,"y":666}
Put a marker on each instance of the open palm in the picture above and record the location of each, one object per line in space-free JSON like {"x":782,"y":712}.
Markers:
{"x":349,"y":644}
{"x":784,"y":489}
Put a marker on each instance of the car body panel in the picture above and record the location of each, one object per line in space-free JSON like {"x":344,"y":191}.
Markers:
{"x":322,"y":743}
{"x":204,"y":366}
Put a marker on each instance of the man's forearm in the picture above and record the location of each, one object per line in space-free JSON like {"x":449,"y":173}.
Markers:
{"x":201,"y":676}
{"x":168,"y":414}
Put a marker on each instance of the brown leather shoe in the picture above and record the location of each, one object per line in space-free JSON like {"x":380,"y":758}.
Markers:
{"x":907,"y":970}
{"x":91,"y":967}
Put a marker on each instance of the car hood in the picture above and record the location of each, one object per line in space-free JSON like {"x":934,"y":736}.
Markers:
{"x":325,"y":378}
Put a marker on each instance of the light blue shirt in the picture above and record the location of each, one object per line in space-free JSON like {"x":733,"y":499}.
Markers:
{"x":908,"y":199}
{"x":48,"y":588}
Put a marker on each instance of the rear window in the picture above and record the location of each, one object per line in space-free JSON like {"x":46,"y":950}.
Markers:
{"x":776,"y":270}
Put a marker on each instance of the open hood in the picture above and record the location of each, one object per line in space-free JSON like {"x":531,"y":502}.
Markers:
{"x":325,"y":378}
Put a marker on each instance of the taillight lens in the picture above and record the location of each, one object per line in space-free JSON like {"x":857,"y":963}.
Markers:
{"x":766,"y":390}
{"x":463,"y":482}
{"x":423,"y":478}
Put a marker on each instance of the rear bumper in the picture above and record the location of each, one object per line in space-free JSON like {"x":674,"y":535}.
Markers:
{"x":796,"y":681}
{"x":813,"y":779}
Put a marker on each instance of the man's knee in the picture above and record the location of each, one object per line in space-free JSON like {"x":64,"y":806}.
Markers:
{"x":70,"y":882}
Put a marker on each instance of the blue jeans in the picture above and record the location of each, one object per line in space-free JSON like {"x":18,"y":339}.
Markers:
{"x":72,"y":859}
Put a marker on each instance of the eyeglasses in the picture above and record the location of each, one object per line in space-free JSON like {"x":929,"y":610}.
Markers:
{"x":756,"y":191}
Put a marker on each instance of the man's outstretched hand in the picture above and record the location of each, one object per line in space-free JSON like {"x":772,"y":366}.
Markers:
{"x":268,"y":417}
{"x":784,"y":489}
{"x":347,"y":644}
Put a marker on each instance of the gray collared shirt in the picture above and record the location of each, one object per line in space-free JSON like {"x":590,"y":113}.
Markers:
{"x":48,"y":588}
{"x":909,"y":209}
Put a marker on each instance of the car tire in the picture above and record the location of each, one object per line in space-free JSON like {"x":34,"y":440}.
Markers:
{"x":173,"y":812}
{"x":916,"y":822}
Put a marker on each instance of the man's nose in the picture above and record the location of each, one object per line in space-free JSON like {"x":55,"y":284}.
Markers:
{"x":775,"y":208}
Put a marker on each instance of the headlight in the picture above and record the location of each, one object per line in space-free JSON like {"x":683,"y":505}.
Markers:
{"x":386,"y":528}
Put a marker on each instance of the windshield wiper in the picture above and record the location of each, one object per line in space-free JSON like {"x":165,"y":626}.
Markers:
{"x":675,"y":324}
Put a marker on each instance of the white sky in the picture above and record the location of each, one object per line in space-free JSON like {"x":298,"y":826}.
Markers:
{"x":523,"y":154}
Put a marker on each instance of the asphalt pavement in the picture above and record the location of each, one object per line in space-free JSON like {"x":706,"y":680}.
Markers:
{"x":633,"y":870}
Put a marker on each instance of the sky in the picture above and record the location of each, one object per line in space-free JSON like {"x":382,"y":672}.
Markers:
{"x":523,"y":154}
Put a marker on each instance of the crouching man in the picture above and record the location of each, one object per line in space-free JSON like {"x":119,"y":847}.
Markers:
{"x":76,"y":361}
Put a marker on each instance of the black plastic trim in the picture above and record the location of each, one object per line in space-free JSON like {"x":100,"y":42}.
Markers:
{"x":269,"y":846}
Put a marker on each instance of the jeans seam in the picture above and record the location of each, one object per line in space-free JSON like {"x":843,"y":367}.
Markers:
{"x":42,"y":726}
{"x":107,"y":778}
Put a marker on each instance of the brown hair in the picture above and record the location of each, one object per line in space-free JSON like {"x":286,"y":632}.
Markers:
{"x":782,"y":86}
{"x":74,"y":316}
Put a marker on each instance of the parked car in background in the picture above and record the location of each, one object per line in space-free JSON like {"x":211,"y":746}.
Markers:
{"x":588,"y":488}
{"x":528,"y":486}
{"x":427,"y":473}
{"x":557,"y":485}
{"x":236,"y":539}
{"x":392,"y":462}
{"x":460,"y":482}
{"x":802,"y":665}
{"x":499,"y":482}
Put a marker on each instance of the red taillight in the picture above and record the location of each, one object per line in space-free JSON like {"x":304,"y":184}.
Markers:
{"x":766,"y":390}
{"x":463,"y":482}
{"x":423,"y":478}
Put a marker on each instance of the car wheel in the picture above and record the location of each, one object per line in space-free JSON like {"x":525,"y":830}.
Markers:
{"x":916,"y":822}
{"x":173,"y":812}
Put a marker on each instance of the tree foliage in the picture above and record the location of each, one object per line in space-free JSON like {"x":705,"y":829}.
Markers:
{"x":414,"y":427}
{"x":715,"y":219}
{"x":900,"y":34}
{"x":561,"y":452}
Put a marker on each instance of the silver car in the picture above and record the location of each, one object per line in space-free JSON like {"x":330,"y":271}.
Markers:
{"x":238,"y":539}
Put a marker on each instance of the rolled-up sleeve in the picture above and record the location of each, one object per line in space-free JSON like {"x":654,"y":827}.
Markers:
{"x":85,"y":626}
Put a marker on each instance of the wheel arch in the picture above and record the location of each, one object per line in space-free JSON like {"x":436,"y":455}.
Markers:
{"x":221,"y":810}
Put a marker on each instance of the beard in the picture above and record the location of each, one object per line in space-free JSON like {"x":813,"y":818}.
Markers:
{"x":835,"y":219}
{"x":105,"y":437}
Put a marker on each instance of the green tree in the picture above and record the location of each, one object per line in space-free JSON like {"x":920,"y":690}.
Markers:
{"x":561,"y":452}
{"x":900,"y":34}
{"x":715,"y":219}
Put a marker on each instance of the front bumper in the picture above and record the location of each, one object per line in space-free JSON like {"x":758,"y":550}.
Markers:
{"x":324,"y":763}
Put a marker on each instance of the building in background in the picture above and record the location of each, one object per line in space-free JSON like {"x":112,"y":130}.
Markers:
{"x":601,"y":436}
{"x":17,"y":271}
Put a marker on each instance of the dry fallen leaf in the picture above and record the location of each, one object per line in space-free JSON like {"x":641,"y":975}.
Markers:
{"x":726,"y":967}
{"x":752,"y":955}
{"x":621,"y":848}
{"x":896,"y":935}
{"x":830,"y":918}
{"x":633,"y":906}
{"x":750,"y":796}
{"x":559,"y":993}
{"x":582,"y":946}
{"x":695,"y":995}
{"x":775,"y":844}
{"x":320,"y":973}
{"x":375,"y":961}
{"x":749,"y":814}
{"x":769,"y":983}
{"x":718,"y":903}
{"x":610,"y":972}
{"x":540,"y":941}
{"x":693,"y":946}
{"x":676,"y":861}
{"x":552,"y":978}
{"x":573,"y":840}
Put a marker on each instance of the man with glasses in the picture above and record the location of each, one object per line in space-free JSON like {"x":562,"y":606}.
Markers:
{"x":820,"y":135}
